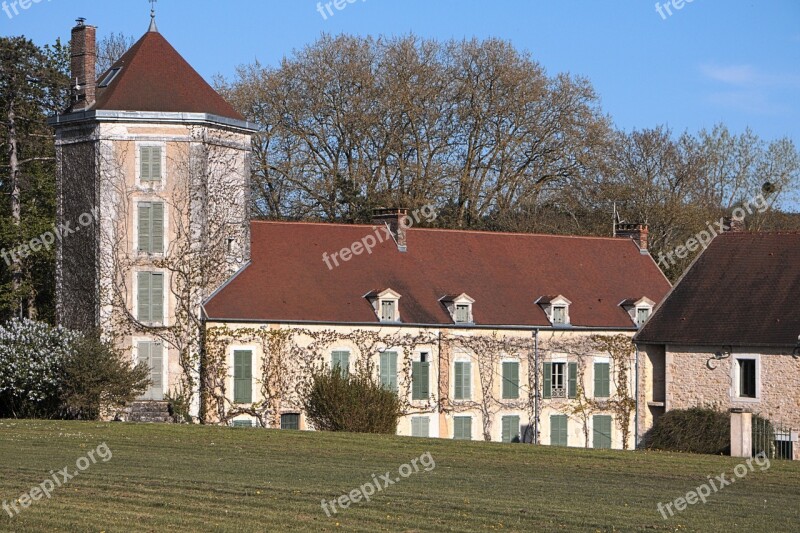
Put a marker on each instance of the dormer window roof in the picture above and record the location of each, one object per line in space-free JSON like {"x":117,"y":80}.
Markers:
{"x":556,"y":308}
{"x":638,"y":309}
{"x":459,"y":307}
{"x":385,"y":303}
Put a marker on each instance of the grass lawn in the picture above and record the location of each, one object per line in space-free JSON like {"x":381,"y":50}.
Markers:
{"x":194,"y":478}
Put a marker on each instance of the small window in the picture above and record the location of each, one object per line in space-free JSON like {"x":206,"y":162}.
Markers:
{"x":290,"y":421}
{"x":150,"y":164}
{"x":642,"y":314}
{"x":151,"y":227}
{"x":747,"y":378}
{"x":420,"y":426}
{"x":559,"y":314}
{"x":340,"y":360}
{"x":462,"y":314}
{"x":559,"y":383}
{"x":388,"y":310}
{"x":150,"y":306}
{"x":242,"y":423}
{"x":510,"y":429}
{"x":462,"y":427}
{"x":108,"y":78}
{"x":602,"y":380}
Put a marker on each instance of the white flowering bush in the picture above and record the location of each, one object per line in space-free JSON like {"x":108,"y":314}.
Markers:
{"x":33,"y":356}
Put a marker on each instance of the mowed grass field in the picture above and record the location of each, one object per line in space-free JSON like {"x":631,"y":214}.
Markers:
{"x":193,"y":478}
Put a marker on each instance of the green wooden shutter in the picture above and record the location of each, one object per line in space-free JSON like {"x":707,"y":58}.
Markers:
{"x":144,"y":305}
{"x":145,"y":223}
{"x":420,"y":379}
{"x":558,"y":430}
{"x":157,"y":297}
{"x":510,"y":380}
{"x":389,"y":370}
{"x":510,"y":428}
{"x":601,"y":425}
{"x":572,"y":390}
{"x":463,"y":381}
{"x":242,"y":376}
{"x":420,"y":426}
{"x":157,"y":228}
{"x":602,"y":384}
{"x":156,"y":370}
{"x":155,"y":163}
{"x":458,"y":381}
{"x":462,"y":427}
{"x":547,"y":380}
{"x":145,"y":155}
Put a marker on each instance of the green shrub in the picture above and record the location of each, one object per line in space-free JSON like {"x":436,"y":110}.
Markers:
{"x":337,"y":402}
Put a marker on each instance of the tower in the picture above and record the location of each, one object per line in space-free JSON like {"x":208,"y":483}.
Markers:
{"x":152,"y":190}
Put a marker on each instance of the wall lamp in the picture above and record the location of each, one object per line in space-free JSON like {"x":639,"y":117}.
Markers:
{"x":725,"y":353}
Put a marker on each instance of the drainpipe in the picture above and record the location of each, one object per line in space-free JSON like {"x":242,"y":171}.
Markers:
{"x":636,"y":389}
{"x":536,"y":405}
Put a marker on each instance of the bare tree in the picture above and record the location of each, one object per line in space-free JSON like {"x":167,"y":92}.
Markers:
{"x":110,"y":49}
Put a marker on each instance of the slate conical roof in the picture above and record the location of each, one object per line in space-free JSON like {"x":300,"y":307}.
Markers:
{"x":154,"y":77}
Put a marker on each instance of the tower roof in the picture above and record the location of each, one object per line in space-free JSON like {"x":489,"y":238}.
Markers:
{"x":154,"y":77}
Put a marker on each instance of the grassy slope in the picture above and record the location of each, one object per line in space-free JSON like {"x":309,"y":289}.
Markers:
{"x":181,"y":478}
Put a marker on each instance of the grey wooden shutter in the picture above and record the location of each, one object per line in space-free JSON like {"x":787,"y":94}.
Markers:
{"x":145,"y":223}
{"x":143,"y":292}
{"x":573,"y":380}
{"x":157,"y":228}
{"x":157,"y":297}
{"x":547,"y":381}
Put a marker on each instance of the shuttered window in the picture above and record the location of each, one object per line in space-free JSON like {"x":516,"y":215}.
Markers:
{"x":573,"y":380}
{"x":151,"y":227}
{"x":420,"y":426}
{"x":642,"y":314}
{"x":150,"y":290}
{"x":602,"y":380}
{"x":290,"y":421}
{"x":388,"y":310}
{"x":510,"y":429}
{"x":420,"y":379}
{"x":510,"y":380}
{"x":462,"y":381}
{"x":462,"y":427}
{"x":151,"y":354}
{"x":242,"y":423}
{"x":462,"y":313}
{"x":559,"y":315}
{"x":389,"y":370}
{"x":601,"y":428}
{"x":150,"y":163}
{"x":558,"y":430}
{"x":243,"y":376}
{"x":341,"y":360}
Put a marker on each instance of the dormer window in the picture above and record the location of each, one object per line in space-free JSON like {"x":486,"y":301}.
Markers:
{"x":385,"y":303}
{"x":459,"y":307}
{"x":638,"y":309}
{"x":556,"y":308}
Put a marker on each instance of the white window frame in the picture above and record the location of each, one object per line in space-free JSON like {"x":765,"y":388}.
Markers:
{"x":735,"y":378}
{"x":151,"y":185}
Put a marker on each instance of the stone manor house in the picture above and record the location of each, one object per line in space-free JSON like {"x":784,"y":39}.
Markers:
{"x":486,"y":336}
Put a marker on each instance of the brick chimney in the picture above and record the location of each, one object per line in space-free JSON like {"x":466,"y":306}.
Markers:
{"x":637,"y":232}
{"x":398,"y":222}
{"x":733,"y":225}
{"x":84,"y":62}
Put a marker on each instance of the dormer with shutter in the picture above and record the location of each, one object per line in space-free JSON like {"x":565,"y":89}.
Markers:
{"x":639,"y":310}
{"x":556,"y":308}
{"x":459,"y":307}
{"x":386,"y":304}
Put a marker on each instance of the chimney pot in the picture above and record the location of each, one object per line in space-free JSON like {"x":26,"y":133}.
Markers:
{"x":638,"y":232}
{"x":83,"y":64}
{"x":733,"y":225}
{"x":398,"y":223}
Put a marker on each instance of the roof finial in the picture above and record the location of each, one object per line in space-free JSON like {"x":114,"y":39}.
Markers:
{"x":153,"y":26}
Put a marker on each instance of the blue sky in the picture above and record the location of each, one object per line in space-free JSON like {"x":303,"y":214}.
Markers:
{"x":734,"y":61}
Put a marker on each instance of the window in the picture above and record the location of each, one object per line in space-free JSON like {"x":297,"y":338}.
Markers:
{"x":242,"y":376}
{"x":747,"y":378}
{"x":290,"y":421}
{"x":601,"y":429}
{"x":420,"y":426}
{"x":108,"y":78}
{"x":150,"y":307}
{"x":560,"y":380}
{"x":462,"y":313}
{"x":463,"y":381}
{"x":510,"y":429}
{"x":150,"y":164}
{"x":389,"y":371}
{"x":602,"y":380}
{"x":242,"y":423}
{"x":388,"y":310}
{"x":642,"y":314}
{"x":151,"y":354}
{"x":558,"y":430}
{"x":420,"y":380}
{"x":341,"y":360}
{"x":510,"y":380}
{"x":462,"y":427}
{"x":559,"y":315}
{"x":151,"y":227}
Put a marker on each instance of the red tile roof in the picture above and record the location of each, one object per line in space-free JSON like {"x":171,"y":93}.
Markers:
{"x":742,"y":291}
{"x":287,"y":279}
{"x":154,"y":77}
